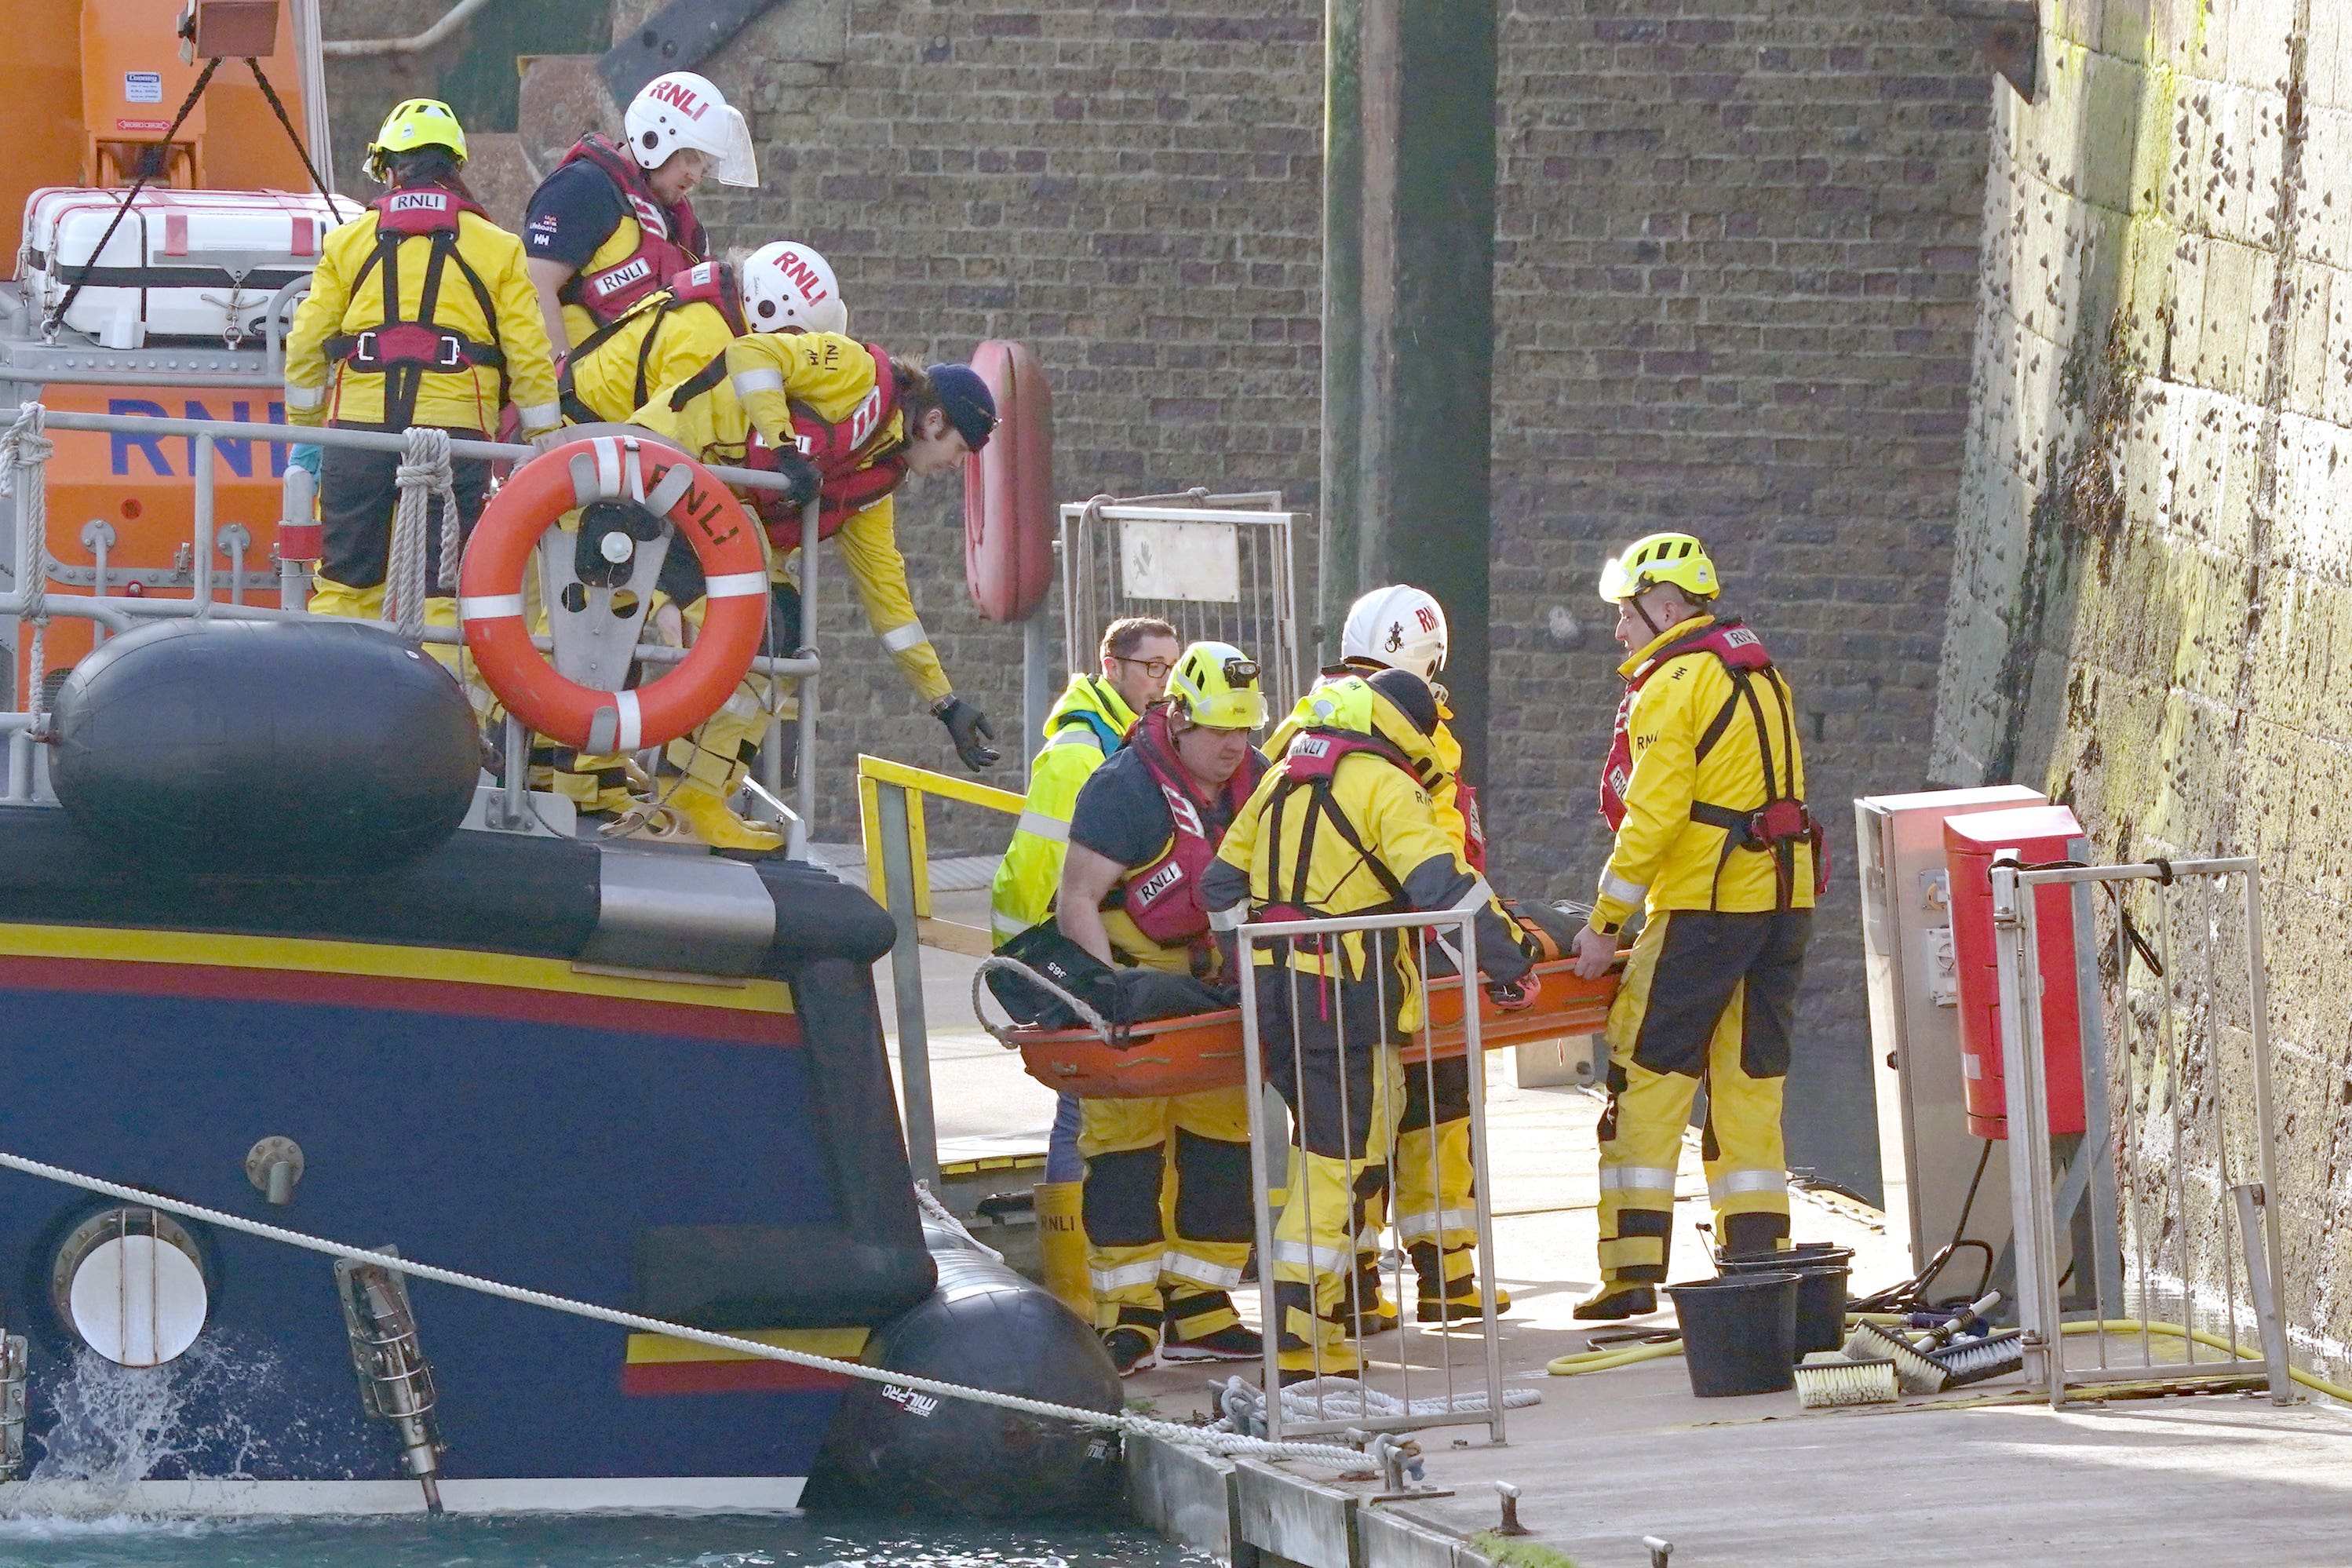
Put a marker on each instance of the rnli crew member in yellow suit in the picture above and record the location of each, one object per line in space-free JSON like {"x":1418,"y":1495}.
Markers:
{"x":1403,"y":628}
{"x":1143,"y":836}
{"x":1343,"y":826}
{"x":1088,"y":723}
{"x":611,"y":225}
{"x":1705,"y":788}
{"x":420,"y":312}
{"x":664,"y":339}
{"x":851,"y":424}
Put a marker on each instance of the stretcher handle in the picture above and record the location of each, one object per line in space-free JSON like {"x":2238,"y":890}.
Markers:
{"x":1086,"y":1015}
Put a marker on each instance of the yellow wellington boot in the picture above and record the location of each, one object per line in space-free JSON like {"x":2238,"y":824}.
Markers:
{"x":715,"y":824}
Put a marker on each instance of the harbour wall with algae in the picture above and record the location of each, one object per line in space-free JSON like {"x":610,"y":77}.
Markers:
{"x":2151,"y":593}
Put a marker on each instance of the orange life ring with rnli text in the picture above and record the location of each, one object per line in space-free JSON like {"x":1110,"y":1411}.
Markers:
{"x":705,"y":513}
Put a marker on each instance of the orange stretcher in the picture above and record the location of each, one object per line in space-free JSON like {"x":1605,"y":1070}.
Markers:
{"x":1182,"y":1055}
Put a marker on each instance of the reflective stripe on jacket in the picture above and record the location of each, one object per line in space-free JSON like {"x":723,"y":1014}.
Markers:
{"x":1085,"y":727}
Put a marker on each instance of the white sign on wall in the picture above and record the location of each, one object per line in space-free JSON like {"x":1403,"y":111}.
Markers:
{"x":1201,"y":562}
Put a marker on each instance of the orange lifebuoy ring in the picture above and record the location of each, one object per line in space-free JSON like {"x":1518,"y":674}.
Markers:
{"x":705,"y":513}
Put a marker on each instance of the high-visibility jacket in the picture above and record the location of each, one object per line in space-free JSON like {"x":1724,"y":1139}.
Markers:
{"x":466,"y":281}
{"x":834,"y":375}
{"x":1087,"y":724}
{"x":1699,"y":751}
{"x":1371,"y":844}
{"x":615,"y":370}
{"x":1447,"y":797}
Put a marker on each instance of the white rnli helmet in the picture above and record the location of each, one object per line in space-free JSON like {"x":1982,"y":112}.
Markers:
{"x":790,"y":288}
{"x":1401,"y":627}
{"x":680,"y":109}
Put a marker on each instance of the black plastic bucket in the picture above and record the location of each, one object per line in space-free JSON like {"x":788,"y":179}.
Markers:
{"x":1739,"y":1333}
{"x":1821,"y":1278}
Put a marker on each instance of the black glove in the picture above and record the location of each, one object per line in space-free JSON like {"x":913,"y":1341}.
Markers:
{"x":805,"y":481}
{"x":969,"y":728}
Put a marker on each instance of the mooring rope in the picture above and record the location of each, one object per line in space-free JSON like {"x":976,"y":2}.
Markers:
{"x":1227,"y":1444}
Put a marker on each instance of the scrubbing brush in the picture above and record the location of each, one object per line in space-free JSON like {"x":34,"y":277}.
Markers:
{"x":1973,"y":1360}
{"x":1830,"y":1382}
{"x":1913,"y":1372}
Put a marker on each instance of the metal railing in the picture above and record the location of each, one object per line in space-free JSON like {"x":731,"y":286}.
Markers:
{"x":897,"y":875}
{"x":1216,"y":567}
{"x":2177,"y":1219}
{"x":28,"y":598}
{"x":1427,"y":1361}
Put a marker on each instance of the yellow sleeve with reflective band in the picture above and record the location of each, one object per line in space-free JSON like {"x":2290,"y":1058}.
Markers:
{"x":522,"y":331}
{"x":1664,"y":727}
{"x":1031,"y":871}
{"x":1445,"y":799}
{"x":770,"y":371}
{"x":869,"y":547}
{"x":320,"y":317}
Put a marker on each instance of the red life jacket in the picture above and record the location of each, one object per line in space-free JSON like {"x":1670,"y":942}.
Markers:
{"x":1163,"y":898}
{"x":1474,"y":826}
{"x":857,"y":458}
{"x":669,"y":239}
{"x":402,"y":349}
{"x":1783,"y":820}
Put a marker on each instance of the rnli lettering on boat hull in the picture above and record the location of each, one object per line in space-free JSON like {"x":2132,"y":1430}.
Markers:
{"x":232,"y":745}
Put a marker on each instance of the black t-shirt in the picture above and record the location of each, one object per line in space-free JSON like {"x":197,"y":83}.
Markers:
{"x":573,"y":212}
{"x":1121,"y":816}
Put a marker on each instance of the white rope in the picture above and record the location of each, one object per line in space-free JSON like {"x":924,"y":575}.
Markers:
{"x":1226,"y":1443}
{"x":945,"y":1217}
{"x":1344,"y":1398}
{"x":27,"y":450}
{"x":424,"y":476}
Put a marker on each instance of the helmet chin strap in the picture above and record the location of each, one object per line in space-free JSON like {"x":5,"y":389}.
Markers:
{"x":1640,"y":610}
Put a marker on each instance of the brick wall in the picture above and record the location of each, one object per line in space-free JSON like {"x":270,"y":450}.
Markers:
{"x":1734,"y":282}
{"x":1738,"y":248}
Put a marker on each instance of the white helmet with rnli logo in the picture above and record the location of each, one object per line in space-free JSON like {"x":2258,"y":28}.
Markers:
{"x":680,"y":109}
{"x":1398,"y":626}
{"x":789,"y":287}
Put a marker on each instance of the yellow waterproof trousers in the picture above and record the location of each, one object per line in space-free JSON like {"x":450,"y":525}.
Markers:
{"x":1710,"y":997}
{"x":1167,"y":1206}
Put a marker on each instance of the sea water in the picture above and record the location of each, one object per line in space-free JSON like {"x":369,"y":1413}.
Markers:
{"x":576,"y":1542}
{"x":115,"y":1425}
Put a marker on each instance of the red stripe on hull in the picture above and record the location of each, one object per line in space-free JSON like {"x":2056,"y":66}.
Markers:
{"x":657,"y":1378}
{"x":523,"y":1004}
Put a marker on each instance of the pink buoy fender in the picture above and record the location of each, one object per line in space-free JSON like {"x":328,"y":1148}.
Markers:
{"x":1008,"y":490}
{"x":705,"y":514}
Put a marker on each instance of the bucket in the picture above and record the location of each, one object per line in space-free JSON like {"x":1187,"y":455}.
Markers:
{"x":1822,"y":1280}
{"x":1739,"y":1333}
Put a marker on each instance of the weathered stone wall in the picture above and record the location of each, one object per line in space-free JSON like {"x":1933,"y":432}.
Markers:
{"x":2152,"y":579}
{"x":1737,"y":246}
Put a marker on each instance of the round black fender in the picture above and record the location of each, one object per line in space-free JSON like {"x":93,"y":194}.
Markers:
{"x":984,"y":1327}
{"x":325,"y":747}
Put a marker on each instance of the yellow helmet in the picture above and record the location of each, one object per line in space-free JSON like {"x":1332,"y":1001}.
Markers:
{"x":1216,"y":685}
{"x":413,"y":123}
{"x":1676,"y":559}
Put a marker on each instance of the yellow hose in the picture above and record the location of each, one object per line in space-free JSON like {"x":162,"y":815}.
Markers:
{"x":1578,"y":1363}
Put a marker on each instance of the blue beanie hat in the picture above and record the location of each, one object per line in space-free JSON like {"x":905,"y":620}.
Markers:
{"x":970,"y":406}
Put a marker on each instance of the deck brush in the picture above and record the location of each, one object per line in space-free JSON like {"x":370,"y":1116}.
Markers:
{"x":1973,"y":1360}
{"x":1832,"y":1381}
{"x":1915,"y":1373}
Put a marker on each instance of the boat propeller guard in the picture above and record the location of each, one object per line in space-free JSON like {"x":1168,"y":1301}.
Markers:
{"x":642,"y":471}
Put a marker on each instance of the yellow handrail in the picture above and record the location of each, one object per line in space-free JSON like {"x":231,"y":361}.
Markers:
{"x":875,"y":772}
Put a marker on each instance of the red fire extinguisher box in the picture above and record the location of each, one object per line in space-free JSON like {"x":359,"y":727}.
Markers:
{"x":2033,"y":834}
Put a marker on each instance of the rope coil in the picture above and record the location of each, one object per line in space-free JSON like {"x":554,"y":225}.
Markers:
{"x":1226,"y":1444}
{"x":424,"y":476}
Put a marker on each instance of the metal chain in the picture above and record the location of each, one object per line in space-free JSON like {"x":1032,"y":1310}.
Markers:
{"x":424,"y":476}
{"x":1347,"y":1460}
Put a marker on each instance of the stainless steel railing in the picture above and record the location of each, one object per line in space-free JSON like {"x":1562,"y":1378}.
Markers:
{"x":117,"y":613}
{"x":2190,"y":1078}
{"x":1426,"y":1379}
